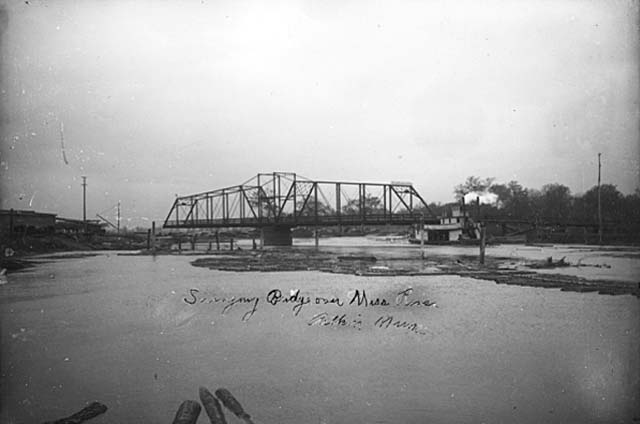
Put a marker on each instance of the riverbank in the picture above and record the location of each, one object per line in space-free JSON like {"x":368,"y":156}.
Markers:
{"x":17,"y":254}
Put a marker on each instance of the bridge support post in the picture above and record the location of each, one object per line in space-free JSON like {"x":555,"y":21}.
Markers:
{"x":153,"y":236}
{"x":315,"y":234}
{"x":276,"y":236}
{"x":483,"y":236}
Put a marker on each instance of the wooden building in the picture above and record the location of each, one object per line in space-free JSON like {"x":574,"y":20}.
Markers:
{"x":20,"y":221}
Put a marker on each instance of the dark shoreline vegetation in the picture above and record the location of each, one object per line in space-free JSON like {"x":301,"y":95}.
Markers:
{"x":559,"y":215}
{"x":496,"y":269}
{"x":554,"y":202}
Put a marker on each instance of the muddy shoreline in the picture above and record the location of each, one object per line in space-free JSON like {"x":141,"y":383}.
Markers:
{"x":497,"y":269}
{"x":26,"y":252}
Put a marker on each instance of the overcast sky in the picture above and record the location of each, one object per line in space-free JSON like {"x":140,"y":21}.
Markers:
{"x":150,"y":99}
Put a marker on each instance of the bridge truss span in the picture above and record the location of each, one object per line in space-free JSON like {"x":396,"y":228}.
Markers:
{"x":284,"y":199}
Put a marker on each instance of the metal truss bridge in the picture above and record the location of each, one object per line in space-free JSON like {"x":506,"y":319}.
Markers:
{"x":279,"y":201}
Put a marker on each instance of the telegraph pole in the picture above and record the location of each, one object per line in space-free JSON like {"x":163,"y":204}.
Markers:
{"x":599,"y":203}
{"x":84,"y":203}
{"x":422,"y":254}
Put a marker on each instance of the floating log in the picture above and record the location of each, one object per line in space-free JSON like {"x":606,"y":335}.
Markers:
{"x":367,"y":258}
{"x":233,"y":405}
{"x":212,"y":407}
{"x":188,"y":412}
{"x":91,"y":411}
{"x":549,"y":263}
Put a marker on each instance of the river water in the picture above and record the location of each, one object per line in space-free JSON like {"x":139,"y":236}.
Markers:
{"x":142,"y":333}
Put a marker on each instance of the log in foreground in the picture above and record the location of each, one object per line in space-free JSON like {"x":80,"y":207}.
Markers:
{"x":212,"y":407}
{"x":91,"y":411}
{"x":188,"y":412}
{"x":233,"y":405}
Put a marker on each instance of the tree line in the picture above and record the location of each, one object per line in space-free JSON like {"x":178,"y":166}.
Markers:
{"x":551,"y":203}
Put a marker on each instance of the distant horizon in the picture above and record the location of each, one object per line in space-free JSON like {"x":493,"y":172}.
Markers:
{"x":153,"y":99}
{"x":440,"y":203}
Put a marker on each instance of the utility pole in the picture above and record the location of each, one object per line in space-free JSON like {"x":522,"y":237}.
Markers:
{"x":599,"y":203}
{"x":422,"y":254}
{"x":84,"y":203}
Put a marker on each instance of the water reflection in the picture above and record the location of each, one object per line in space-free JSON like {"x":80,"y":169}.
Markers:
{"x":117,"y":329}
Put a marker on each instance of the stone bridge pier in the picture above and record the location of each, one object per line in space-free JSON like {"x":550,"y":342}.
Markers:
{"x":277,"y":235}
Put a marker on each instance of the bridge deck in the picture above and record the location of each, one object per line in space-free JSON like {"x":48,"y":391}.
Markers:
{"x":302,"y":221}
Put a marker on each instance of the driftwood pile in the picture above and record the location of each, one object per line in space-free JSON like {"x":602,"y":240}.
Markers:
{"x":465,"y":266}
